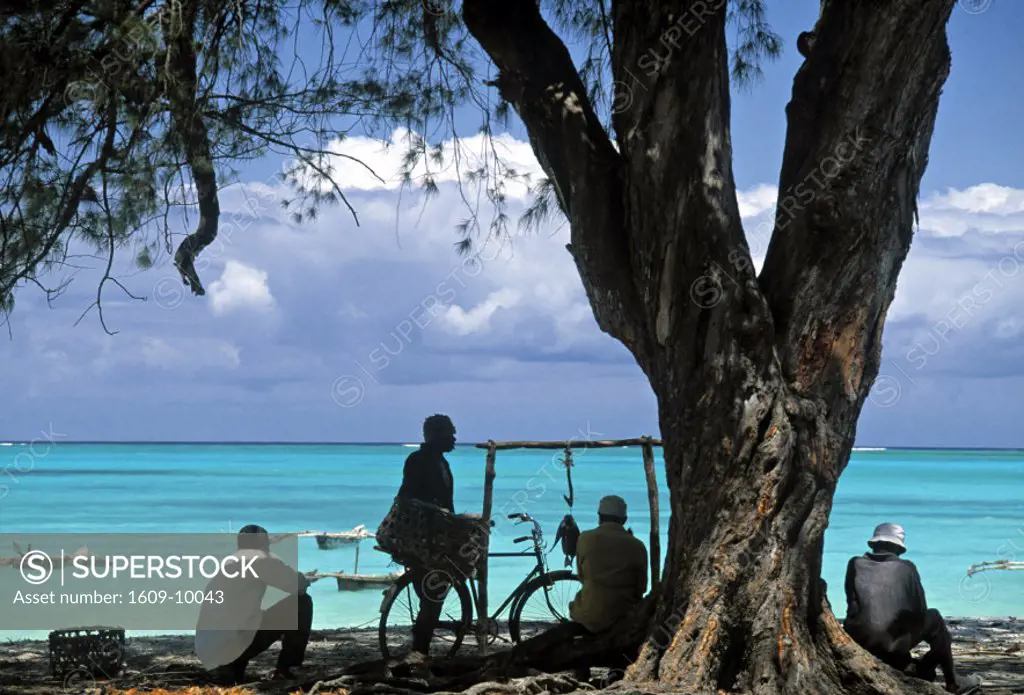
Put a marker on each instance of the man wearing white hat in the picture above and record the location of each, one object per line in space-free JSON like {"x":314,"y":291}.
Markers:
{"x":612,"y":564}
{"x":887,"y":614}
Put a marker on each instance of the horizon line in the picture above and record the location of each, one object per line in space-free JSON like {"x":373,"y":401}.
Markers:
{"x":466,"y":443}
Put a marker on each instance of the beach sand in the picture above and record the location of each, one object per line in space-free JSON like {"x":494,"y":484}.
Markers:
{"x":991,"y":647}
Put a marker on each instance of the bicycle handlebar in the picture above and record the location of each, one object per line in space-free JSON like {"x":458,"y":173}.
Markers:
{"x":523,"y":517}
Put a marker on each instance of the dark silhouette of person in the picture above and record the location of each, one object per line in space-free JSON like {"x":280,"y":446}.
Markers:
{"x":427,"y":477}
{"x":887,"y":614}
{"x":234,"y":630}
{"x":612,"y":565}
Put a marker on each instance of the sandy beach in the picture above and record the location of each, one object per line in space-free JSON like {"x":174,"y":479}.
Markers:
{"x":991,"y":647}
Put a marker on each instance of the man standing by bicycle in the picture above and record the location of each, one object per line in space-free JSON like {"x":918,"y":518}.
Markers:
{"x":428,"y":478}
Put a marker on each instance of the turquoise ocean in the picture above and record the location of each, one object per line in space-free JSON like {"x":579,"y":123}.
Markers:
{"x":958,"y":507}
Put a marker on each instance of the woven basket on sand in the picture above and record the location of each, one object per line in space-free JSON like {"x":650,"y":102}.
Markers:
{"x":97,"y":651}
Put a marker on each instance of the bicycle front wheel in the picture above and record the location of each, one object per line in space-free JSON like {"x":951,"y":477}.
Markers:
{"x":543,"y":603}
{"x":403,"y":602}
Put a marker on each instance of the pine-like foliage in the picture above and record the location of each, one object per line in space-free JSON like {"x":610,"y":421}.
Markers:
{"x":116,"y":113}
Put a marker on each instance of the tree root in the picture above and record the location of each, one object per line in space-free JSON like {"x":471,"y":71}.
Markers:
{"x":531,"y":685}
{"x":536,"y":666}
{"x":554,"y":684}
{"x":828,"y":662}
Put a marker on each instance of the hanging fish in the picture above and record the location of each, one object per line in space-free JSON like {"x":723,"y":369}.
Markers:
{"x":568,"y":533}
{"x":567,"y":462}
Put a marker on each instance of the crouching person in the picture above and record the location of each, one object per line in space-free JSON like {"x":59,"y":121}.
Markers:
{"x":887,"y":613}
{"x":232,"y":632}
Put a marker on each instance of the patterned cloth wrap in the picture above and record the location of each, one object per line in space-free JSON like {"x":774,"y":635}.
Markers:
{"x":418,"y":534}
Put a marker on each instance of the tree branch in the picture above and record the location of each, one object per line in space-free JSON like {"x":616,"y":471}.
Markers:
{"x":537,"y":76}
{"x":671,"y":115}
{"x":71,"y":199}
{"x":860,"y":123}
{"x":182,"y":85}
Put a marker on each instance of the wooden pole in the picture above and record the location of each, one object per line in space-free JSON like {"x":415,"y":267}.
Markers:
{"x":652,"y":499}
{"x":356,"y":570}
{"x":582,"y":444}
{"x":482,"y":615}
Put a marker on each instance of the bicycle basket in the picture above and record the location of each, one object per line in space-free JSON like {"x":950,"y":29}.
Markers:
{"x":423,"y":534}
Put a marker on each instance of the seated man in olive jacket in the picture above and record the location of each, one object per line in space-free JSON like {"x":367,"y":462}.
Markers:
{"x":612,"y":565}
{"x":428,"y":478}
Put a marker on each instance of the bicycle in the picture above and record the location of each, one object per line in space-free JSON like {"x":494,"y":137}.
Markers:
{"x":555,"y":589}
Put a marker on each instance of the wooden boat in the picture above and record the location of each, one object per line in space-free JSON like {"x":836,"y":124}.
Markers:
{"x":359,"y":582}
{"x":356,"y":582}
{"x":995,"y":565}
{"x":61,"y":559}
{"x":330,"y":540}
{"x":350,"y":581}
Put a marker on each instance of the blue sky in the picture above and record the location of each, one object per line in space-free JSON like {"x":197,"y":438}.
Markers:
{"x":332,"y":332}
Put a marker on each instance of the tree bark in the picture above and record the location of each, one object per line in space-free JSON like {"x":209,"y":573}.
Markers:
{"x":759,"y":380}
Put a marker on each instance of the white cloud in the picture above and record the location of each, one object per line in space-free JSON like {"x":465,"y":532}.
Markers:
{"x":1010,"y":327}
{"x":984,"y":197}
{"x":240,"y":287}
{"x":758,"y":199}
{"x":350,"y":310}
{"x":573,"y":326}
{"x":986,"y":207}
{"x":527,"y":297}
{"x":462,"y":322}
{"x":542,"y":278}
{"x":345,"y":292}
{"x":411,"y":231}
{"x":169,"y":352}
{"x":383,"y":164}
{"x":164,"y":353}
{"x":407,"y":241}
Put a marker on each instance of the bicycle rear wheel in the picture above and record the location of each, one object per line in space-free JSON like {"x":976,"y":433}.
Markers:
{"x":543,"y":603}
{"x":402,"y":603}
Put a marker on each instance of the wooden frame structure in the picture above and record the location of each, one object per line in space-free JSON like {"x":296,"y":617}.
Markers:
{"x":646,"y":444}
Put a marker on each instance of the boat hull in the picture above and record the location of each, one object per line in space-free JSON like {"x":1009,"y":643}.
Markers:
{"x":359,"y":582}
{"x":331,"y":542}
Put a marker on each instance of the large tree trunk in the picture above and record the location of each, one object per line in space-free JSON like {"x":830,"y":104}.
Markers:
{"x":759,"y":381}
